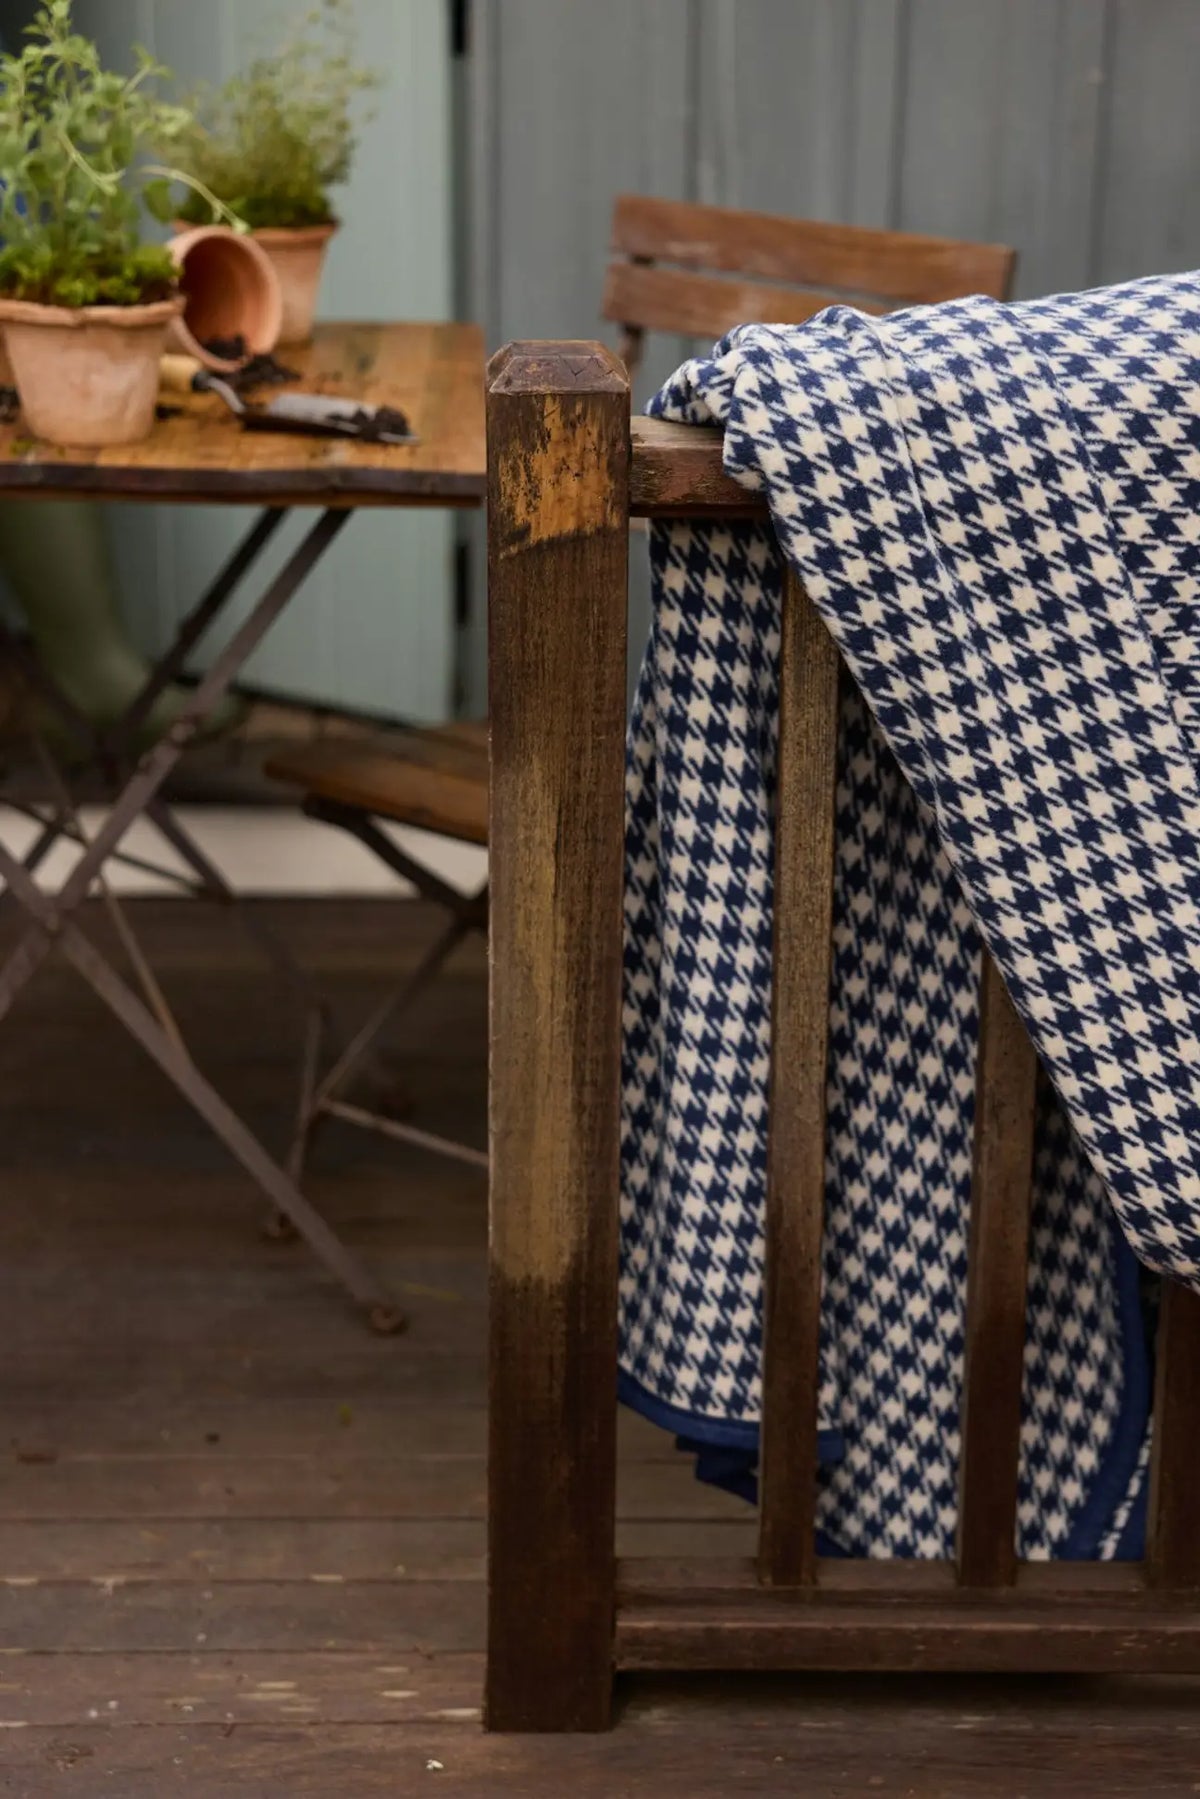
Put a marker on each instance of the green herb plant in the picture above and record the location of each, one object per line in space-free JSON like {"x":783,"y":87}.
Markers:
{"x":273,"y":141}
{"x":73,"y":139}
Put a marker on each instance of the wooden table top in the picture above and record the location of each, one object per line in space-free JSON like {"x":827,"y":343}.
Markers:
{"x":434,"y":373}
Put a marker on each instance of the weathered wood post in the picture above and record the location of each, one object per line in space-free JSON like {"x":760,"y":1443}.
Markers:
{"x":558,"y":524}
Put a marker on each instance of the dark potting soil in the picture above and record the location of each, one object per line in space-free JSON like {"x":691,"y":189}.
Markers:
{"x":258,"y":371}
{"x":375,"y":424}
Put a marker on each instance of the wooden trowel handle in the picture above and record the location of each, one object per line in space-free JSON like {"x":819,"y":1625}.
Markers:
{"x":177,"y":374}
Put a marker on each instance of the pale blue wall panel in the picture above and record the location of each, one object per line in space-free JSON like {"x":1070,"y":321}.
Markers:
{"x":373,"y":628}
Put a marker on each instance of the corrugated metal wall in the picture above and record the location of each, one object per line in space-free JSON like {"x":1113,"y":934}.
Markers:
{"x":1068,"y":128}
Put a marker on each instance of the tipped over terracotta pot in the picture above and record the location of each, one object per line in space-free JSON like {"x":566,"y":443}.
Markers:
{"x":88,"y":375}
{"x":230,"y":291}
{"x":298,"y":257}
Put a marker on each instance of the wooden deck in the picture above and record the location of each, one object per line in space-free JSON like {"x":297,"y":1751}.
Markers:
{"x":241,"y":1540}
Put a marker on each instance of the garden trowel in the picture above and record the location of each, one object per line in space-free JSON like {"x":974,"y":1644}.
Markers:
{"x":314,"y":415}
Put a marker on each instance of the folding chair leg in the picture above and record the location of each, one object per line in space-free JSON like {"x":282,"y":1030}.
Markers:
{"x":392,"y":1007}
{"x":217,"y":888}
{"x":318,"y":1096}
{"x":314,"y":1035}
{"x":278,"y":1226}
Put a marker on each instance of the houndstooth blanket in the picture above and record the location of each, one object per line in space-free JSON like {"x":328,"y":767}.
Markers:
{"x":996,"y":510}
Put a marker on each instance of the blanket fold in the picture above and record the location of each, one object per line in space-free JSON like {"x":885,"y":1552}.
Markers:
{"x":996,"y":510}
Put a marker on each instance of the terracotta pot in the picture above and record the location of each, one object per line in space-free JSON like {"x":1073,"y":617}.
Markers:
{"x":87,"y":376}
{"x":230,"y":289}
{"x":299,"y":257}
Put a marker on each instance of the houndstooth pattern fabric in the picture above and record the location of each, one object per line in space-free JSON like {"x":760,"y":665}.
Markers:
{"x":995,"y":510}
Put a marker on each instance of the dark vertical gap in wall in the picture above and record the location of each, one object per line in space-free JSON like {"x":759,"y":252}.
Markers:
{"x":851,"y":135}
{"x":471,"y":283}
{"x":895,"y":200}
{"x":998,"y":99}
{"x":1100,"y":155}
{"x":691,"y":117}
{"x":458,"y":26}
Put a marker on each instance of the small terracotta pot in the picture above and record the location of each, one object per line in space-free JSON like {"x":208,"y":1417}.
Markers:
{"x":230,"y":289}
{"x":87,"y":376}
{"x":299,"y":257}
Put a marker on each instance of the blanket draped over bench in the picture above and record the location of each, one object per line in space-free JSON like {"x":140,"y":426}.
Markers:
{"x":996,"y":510}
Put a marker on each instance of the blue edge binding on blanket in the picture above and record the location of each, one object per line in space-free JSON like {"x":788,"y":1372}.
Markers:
{"x":726,"y":1454}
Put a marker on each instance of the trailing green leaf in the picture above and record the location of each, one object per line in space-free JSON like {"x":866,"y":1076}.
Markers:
{"x":73,"y":141}
{"x":280,"y":134}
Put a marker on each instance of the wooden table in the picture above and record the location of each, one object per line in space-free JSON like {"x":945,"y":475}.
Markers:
{"x":434,"y":373}
{"x":199,"y":452}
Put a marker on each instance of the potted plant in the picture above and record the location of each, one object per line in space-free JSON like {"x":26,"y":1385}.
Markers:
{"x":85,"y":306}
{"x":273,"y":142}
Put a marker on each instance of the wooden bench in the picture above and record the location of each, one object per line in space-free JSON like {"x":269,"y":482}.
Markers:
{"x":567,"y":470}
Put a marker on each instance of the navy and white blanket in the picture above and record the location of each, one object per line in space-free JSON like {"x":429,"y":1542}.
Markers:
{"x":996,"y":510}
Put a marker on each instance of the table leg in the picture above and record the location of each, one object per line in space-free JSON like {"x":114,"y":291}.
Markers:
{"x":155,"y":767}
{"x":119,"y":739}
{"x":52,"y":921}
{"x":110,"y":749}
{"x":73,"y":827}
{"x":50,"y":925}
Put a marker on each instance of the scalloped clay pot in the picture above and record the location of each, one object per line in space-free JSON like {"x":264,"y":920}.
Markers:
{"x":298,"y":256}
{"x":88,"y":375}
{"x":230,"y":289}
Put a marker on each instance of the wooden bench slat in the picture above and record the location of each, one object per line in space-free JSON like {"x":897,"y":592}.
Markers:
{"x":997,"y":1277}
{"x":436,"y":779}
{"x":1173,"y":1518}
{"x":803,"y":950}
{"x":893,"y":265}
